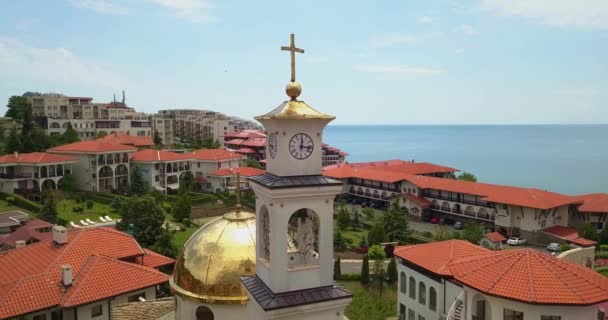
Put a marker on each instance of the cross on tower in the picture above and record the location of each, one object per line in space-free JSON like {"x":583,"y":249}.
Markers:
{"x":292,"y":48}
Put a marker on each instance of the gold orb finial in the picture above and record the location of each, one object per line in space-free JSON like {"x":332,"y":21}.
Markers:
{"x":293,"y":90}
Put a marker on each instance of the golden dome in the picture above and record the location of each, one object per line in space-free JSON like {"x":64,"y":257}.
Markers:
{"x":214,"y":259}
{"x":294,"y":110}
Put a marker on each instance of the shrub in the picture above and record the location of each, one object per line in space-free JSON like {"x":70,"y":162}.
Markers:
{"x":602,"y":255}
{"x":365,"y":270}
{"x":427,"y":234}
{"x":391,"y":271}
{"x":564,"y":247}
{"x":10,"y":199}
{"x":337,"y":269}
{"x":21,"y":202}
{"x":350,"y":277}
{"x":604,"y":247}
{"x":78,"y":209}
{"x":90,"y":204}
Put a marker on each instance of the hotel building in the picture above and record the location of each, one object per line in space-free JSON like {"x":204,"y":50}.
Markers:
{"x":162,"y":169}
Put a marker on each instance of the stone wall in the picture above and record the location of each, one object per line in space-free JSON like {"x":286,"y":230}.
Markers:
{"x":581,"y":256}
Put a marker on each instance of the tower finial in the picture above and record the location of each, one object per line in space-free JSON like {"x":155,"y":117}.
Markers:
{"x":293,"y":88}
{"x":123,"y":97}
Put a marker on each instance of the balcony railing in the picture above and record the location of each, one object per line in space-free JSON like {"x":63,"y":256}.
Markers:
{"x":366,"y":185}
{"x":16,"y":175}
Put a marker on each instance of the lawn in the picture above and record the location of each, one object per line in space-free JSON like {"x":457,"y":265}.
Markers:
{"x":180,"y":237}
{"x":367,"y":303}
{"x":5,"y":207}
{"x":65,"y":208}
{"x":355,"y":235}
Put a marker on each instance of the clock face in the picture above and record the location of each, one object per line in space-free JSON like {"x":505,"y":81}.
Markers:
{"x":272,"y":145}
{"x":301,"y":146}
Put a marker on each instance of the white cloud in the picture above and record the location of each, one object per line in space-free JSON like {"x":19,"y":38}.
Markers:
{"x":391,"y":39}
{"x":425,"y":19}
{"x":191,"y":10}
{"x":100,"y":6}
{"x":20,"y":61}
{"x":397,"y":69}
{"x":468,"y":30}
{"x":578,"y":13}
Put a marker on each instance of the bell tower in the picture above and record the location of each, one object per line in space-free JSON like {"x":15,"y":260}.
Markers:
{"x":294,"y":208}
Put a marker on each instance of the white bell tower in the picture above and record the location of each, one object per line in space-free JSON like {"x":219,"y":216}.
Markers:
{"x":294,"y":207}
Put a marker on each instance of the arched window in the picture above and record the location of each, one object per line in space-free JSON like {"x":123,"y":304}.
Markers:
{"x":265,"y":229}
{"x":412,"y":288}
{"x":432,"y":299}
{"x":421,"y":292}
{"x":303,"y":238}
{"x":204,"y":313}
{"x":403,"y":283}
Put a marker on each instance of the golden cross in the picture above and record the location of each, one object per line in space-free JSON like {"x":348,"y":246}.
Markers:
{"x":292,"y":48}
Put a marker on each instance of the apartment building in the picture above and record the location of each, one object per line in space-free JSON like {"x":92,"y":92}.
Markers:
{"x":54,"y":112}
{"x":162,"y":169}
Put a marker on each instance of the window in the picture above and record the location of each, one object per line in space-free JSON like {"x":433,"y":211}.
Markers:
{"x":96,"y":311}
{"x":550,"y":318}
{"x":411,"y":315}
{"x":420,"y":317}
{"x":156,"y":178}
{"x":412,"y":288}
{"x":204,"y":313}
{"x":57,"y":315}
{"x":156,"y":166}
{"x":40,"y":317}
{"x":421,"y":292}
{"x":403,"y":283}
{"x":509,"y":314}
{"x":135,"y":297}
{"x":401,"y":311}
{"x":432,"y":299}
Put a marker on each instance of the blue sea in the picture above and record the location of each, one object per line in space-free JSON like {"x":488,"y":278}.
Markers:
{"x":570,"y":159}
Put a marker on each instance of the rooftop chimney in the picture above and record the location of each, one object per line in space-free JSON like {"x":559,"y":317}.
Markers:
{"x":66,"y":275}
{"x":60,"y":235}
{"x":19,"y":244}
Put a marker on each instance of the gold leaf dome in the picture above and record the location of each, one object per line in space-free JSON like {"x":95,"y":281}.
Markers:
{"x":214,"y":259}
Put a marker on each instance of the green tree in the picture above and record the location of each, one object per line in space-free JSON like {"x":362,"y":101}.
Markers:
{"x":365,"y":270}
{"x":472,"y":232}
{"x":396,"y":225}
{"x":182,"y":210}
{"x":377,"y":254}
{"x":376,"y":235}
{"x":356,"y":222}
{"x":363,"y":242}
{"x":157,"y":139}
{"x":343,"y":218}
{"x":13,"y":143}
{"x":337,"y":269}
{"x":48,"y":212}
{"x":391,"y":271}
{"x":467,"y":176}
{"x":253,"y":163}
{"x":138,"y":185}
{"x":603,"y":236}
{"x":441,"y":234}
{"x":368,"y":213}
{"x":70,"y":135}
{"x":67,"y":183}
{"x":164,"y":245}
{"x":340,"y":242}
{"x":144,"y":216}
{"x":588,"y":231}
{"x":186,"y":181}
{"x":116,"y":204}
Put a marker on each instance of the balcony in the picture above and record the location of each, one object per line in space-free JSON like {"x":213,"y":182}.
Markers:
{"x":366,"y":185}
{"x":16,"y":176}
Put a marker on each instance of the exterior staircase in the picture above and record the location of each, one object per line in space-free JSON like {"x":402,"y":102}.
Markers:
{"x":457,"y":309}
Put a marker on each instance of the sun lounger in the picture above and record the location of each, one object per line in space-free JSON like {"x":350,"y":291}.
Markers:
{"x":108,"y":218}
{"x":74,"y":225}
{"x":90,"y":221}
{"x":102,"y":219}
{"x":82,"y":222}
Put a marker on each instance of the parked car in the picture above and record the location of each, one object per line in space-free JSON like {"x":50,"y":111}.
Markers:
{"x":458,"y":225}
{"x":515,"y":241}
{"x":435,"y":220}
{"x":427,"y":218}
{"x":553,"y":247}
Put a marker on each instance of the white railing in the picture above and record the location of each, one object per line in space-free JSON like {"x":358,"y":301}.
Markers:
{"x":451,"y":314}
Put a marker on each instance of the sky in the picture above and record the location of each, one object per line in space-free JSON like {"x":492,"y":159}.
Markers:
{"x":366,"y":62}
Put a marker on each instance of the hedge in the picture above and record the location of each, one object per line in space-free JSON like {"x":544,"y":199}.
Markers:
{"x":22,"y":202}
{"x":350,"y":276}
{"x":603,"y":247}
{"x":602,"y":255}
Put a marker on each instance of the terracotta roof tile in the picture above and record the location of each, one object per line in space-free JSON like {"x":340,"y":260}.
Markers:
{"x":34,"y":158}
{"x":154,"y":309}
{"x":495,"y":237}
{"x":127,"y":139}
{"x":154,"y":260}
{"x":593,"y":202}
{"x":151,"y":155}
{"x":568,"y":234}
{"x":216,"y":155}
{"x":94,"y":146}
{"x":390,"y":171}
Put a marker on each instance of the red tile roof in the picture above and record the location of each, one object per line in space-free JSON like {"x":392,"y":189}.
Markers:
{"x":216,"y":155}
{"x":495,"y":237}
{"x":103,"y":278}
{"x":28,"y":231}
{"x":154,"y":260}
{"x":593,"y":202}
{"x":34,"y":158}
{"x":94,"y":146}
{"x":532,"y":277}
{"x":127,"y":139}
{"x":524,"y":275}
{"x":422,"y":202}
{"x":390,"y":171}
{"x":254,"y":142}
{"x":243,"y":171}
{"x":151,"y":155}
{"x":30,"y":276}
{"x":436,"y":256}
{"x":247,"y":134}
{"x":568,"y":234}
{"x":244,"y":150}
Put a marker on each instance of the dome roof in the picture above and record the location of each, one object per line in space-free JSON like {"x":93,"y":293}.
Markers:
{"x":214,"y":259}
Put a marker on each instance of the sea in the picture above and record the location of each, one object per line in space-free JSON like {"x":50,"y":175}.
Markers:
{"x":569,"y":159}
